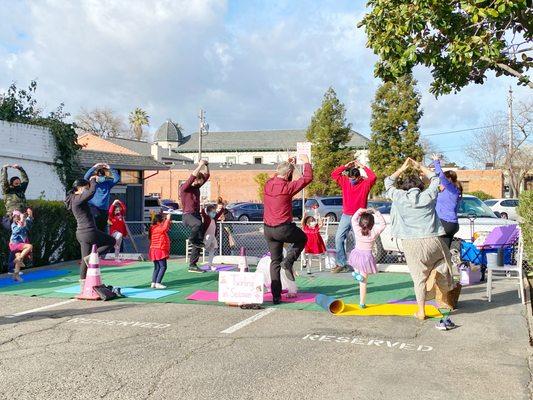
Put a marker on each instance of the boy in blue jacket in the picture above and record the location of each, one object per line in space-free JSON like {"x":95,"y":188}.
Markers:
{"x":99,"y":204}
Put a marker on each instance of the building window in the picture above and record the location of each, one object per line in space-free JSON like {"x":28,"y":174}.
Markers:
{"x":258,"y":160}
{"x":128,"y":176}
{"x":231,"y":160}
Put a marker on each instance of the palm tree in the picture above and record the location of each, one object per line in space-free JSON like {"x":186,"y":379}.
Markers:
{"x":138,"y":118}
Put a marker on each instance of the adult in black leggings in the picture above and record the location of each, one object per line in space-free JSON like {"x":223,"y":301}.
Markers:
{"x":86,"y":232}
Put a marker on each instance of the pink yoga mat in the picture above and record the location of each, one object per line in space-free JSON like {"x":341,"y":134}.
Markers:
{"x":205,"y":295}
{"x":115,"y":263}
{"x":220,"y":267}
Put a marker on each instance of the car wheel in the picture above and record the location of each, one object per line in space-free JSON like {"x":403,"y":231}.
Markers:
{"x":244,"y":218}
{"x":504,"y":215}
{"x":331,"y":217}
{"x":378,"y":251}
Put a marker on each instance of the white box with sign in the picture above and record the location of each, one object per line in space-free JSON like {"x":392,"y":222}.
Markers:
{"x":240,"y":287}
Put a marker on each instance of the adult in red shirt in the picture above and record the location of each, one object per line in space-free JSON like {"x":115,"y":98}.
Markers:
{"x":279,"y":225}
{"x":355,"y":190}
{"x":190,"y":203}
{"x":116,"y":218}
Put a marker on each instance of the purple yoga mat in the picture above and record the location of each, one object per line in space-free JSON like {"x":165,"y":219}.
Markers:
{"x":219,"y":267}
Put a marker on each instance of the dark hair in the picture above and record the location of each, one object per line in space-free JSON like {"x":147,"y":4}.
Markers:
{"x":354,"y":172}
{"x":220,"y":200}
{"x":100,"y":172}
{"x":200,"y":176}
{"x":13,"y":179}
{"x":79,"y":183}
{"x":411,"y":181}
{"x":452,"y":177}
{"x":157,"y":219}
{"x":366,"y":223}
{"x":306,"y":219}
{"x":210,"y":207}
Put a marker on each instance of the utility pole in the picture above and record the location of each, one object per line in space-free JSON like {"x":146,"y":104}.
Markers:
{"x":203,"y":130}
{"x":510,"y":150}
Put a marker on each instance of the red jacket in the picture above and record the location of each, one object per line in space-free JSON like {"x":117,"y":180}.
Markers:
{"x":118,"y":223}
{"x":355,"y":196}
{"x":159,"y":241}
{"x":278,"y":197}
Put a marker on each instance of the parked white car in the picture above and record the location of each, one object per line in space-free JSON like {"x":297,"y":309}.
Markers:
{"x":506,"y":208}
{"x":474,"y":216}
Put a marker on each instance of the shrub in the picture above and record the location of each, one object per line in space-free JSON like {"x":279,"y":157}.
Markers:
{"x":481,"y":195}
{"x":525,"y":210}
{"x":261,"y":180}
{"x":53,"y":234}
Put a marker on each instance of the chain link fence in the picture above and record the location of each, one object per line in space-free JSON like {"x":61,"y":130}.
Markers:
{"x":234,"y":235}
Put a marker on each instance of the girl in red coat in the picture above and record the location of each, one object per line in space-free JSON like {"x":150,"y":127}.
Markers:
{"x":116,"y":219}
{"x":315,"y":244}
{"x":159,"y":248}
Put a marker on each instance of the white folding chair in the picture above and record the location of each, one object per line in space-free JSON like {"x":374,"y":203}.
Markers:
{"x":188,"y":249}
{"x":509,"y":269}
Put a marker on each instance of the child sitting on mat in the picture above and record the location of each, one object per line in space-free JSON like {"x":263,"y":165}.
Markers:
{"x":116,"y":220}
{"x":159,"y":248}
{"x":19,"y":242}
{"x":361,"y":258}
{"x":315,"y":244}
{"x":210,"y":218}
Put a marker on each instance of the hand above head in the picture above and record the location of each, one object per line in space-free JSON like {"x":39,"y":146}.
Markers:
{"x":29,"y":211}
{"x":304,"y":158}
{"x":93,"y":178}
{"x":16,"y":166}
{"x":358,"y":164}
{"x":351,"y":164}
{"x":435,"y":157}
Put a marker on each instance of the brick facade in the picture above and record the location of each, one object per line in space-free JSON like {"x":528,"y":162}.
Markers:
{"x":92,"y":142}
{"x":488,"y":181}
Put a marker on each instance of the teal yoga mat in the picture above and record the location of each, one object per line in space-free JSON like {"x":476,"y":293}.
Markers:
{"x":135,"y":293}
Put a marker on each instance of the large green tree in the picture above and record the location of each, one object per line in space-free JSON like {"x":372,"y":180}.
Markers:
{"x":329,"y":133}
{"x":460,"y":40}
{"x":20,"y":105}
{"x":394,"y":125}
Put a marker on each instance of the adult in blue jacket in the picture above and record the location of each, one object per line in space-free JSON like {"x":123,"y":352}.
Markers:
{"x":99,"y":204}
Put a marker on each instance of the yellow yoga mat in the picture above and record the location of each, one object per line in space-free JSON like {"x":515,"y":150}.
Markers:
{"x":338,"y":307}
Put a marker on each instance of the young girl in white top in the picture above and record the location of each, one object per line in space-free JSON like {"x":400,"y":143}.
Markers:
{"x":361,"y":258}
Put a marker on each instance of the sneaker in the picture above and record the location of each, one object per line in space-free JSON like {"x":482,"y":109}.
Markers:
{"x":213,"y":268}
{"x":362,"y":306}
{"x":309,"y":271}
{"x":357,"y":276}
{"x":195,"y":269}
{"x":160,"y":286}
{"x":449,"y":323}
{"x":338,"y":269}
{"x":152,"y":285}
{"x":441,"y":326}
{"x":276,"y":300}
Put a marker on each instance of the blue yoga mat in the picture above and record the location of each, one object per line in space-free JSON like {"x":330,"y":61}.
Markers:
{"x":31,"y":276}
{"x":135,"y":293}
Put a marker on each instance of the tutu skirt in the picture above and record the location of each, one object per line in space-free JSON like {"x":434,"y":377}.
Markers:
{"x":363,"y":261}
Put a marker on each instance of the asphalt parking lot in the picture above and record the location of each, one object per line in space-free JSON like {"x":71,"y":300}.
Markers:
{"x":56,"y":348}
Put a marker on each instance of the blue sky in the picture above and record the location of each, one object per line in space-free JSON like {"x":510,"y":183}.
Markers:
{"x":250,"y":64}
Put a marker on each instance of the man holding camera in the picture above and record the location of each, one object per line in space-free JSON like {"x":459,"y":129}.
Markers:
{"x":355,"y":190}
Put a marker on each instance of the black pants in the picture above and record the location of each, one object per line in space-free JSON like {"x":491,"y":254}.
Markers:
{"x":451,"y":228}
{"x":104,"y":242}
{"x":196,"y":238}
{"x":100,"y":218}
{"x":276,"y":236}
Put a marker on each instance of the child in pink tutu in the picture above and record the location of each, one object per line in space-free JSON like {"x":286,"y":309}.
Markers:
{"x":361,"y":258}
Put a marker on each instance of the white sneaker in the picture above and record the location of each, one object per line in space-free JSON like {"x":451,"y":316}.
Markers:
{"x":152,"y":285}
{"x":159,"y":286}
{"x":213,"y":268}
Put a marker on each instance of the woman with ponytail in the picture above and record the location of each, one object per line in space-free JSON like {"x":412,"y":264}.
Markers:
{"x":450,"y":191}
{"x":87,"y":234}
{"x":366,"y":231}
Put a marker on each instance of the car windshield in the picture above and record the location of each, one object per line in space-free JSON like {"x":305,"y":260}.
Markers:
{"x":151,"y":203}
{"x":475,"y":207}
{"x":490,"y":202}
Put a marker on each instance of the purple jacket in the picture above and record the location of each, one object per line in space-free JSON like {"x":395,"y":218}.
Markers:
{"x":448,"y":199}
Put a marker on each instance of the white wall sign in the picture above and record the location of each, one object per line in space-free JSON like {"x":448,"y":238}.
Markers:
{"x":240,"y":287}
{"x":205,"y":191}
{"x":303,"y":148}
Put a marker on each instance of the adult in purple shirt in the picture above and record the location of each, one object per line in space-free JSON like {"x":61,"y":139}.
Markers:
{"x":450,"y":191}
{"x":190,"y":203}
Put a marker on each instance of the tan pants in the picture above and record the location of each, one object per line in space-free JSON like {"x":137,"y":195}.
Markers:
{"x":423,"y":256}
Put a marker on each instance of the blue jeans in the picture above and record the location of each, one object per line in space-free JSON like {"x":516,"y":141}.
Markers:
{"x":345,"y":226}
{"x":160,"y":267}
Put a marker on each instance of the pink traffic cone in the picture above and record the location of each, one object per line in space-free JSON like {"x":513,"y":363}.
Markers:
{"x":243,"y":265}
{"x":93,"y":278}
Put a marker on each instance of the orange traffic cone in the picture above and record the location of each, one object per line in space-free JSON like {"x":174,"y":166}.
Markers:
{"x":93,"y":278}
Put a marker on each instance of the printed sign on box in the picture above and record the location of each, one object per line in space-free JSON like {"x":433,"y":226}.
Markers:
{"x":240,"y":287}
{"x":303,"y":148}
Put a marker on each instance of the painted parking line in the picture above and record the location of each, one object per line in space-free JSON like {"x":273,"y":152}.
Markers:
{"x":248,"y":321}
{"x":112,"y":322}
{"x":381,"y":343}
{"x":33,"y":310}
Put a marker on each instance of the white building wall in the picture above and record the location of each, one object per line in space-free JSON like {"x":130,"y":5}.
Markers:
{"x":268,"y":157}
{"x":34,"y":149}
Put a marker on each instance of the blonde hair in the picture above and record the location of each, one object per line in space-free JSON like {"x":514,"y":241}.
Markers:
{"x":285,"y":168}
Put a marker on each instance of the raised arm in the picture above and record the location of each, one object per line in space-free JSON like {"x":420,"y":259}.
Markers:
{"x":443,"y":180}
{"x":3,"y":178}
{"x":305,"y":179}
{"x":89,"y":193}
{"x":116,"y":176}
{"x":24,"y":180}
{"x":90,"y":172}
{"x":336,"y":175}
{"x":167,"y":222}
{"x":390,"y":190}
{"x":379,"y":223}
{"x":371,"y":176}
